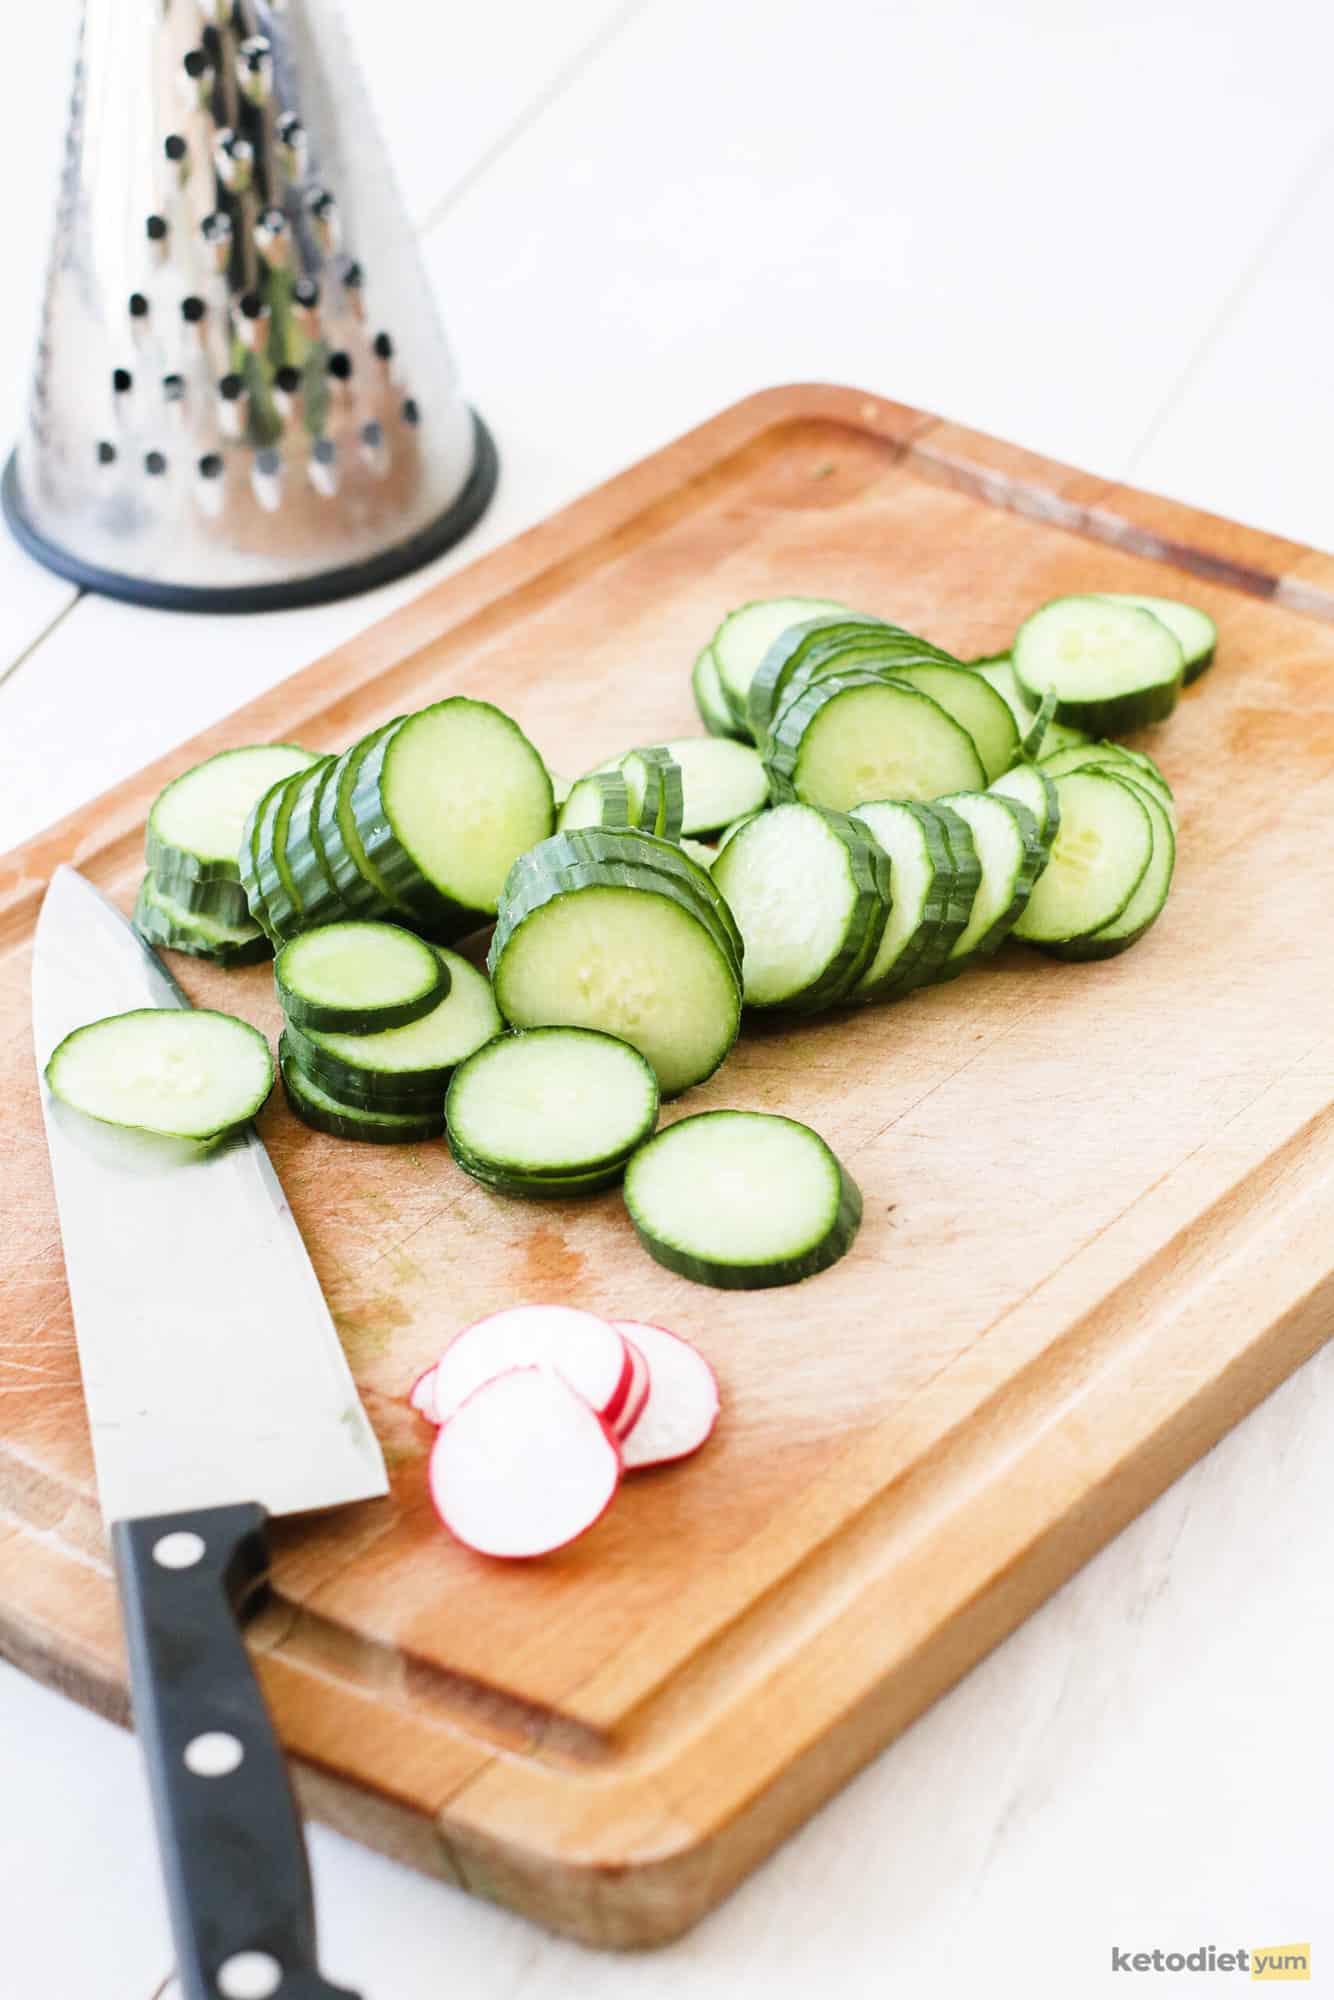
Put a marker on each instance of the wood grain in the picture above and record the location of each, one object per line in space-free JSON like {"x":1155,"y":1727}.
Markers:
{"x":1099,"y":1210}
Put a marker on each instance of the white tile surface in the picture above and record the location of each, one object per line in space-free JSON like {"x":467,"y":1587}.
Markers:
{"x":1104,"y":233}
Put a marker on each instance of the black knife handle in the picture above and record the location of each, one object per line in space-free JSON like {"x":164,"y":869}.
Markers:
{"x":238,"y":1882}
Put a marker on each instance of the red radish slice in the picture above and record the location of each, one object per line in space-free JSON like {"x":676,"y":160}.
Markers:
{"x":588,"y":1351}
{"x":523,"y":1466}
{"x":422,"y":1395}
{"x":682,"y":1406}
{"x":639,"y":1390}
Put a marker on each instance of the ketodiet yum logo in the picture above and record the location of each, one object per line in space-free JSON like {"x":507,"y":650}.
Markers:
{"x":1270,"y":1961}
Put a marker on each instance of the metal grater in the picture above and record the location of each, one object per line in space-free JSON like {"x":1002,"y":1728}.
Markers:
{"x":242,"y":397}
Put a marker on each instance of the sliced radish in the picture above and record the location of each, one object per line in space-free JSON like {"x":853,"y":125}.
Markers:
{"x":682,"y":1406}
{"x":640,"y":1386}
{"x":422,"y":1395}
{"x":523,"y":1466}
{"x":588,"y":1351}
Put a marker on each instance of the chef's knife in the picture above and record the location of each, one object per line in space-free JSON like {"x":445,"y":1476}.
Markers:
{"x":217,"y":1395}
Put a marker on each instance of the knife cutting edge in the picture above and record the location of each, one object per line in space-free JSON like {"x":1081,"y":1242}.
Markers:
{"x":218,"y":1395}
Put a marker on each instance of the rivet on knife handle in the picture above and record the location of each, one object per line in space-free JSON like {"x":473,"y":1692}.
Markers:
{"x":238,"y":1882}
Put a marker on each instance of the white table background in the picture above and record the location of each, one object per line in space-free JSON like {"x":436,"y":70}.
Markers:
{"x":1106,"y":233}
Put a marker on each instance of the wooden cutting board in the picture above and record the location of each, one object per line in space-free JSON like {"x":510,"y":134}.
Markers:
{"x":1099,"y":1209}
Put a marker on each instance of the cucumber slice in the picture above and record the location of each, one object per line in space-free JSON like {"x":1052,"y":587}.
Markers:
{"x":813,"y":639}
{"x":975,"y":706}
{"x":721,"y":781}
{"x":1060,"y":736}
{"x":963,"y":889}
{"x":254,"y":842}
{"x":1036,"y":789}
{"x":600,"y":799}
{"x":539,"y":1112}
{"x":696,"y":851}
{"x":361,"y":890}
{"x":560,"y":787}
{"x":850,"y":739}
{"x":1035,"y":736}
{"x":445,"y":803}
{"x":1097,"y":861}
{"x":412,"y":1061}
{"x":998,"y":671}
{"x":656,"y":789}
{"x":1115,"y":757}
{"x":1112,"y":667}
{"x":590,"y":846}
{"x":1195,"y":630}
{"x":710,"y":700}
{"x":196,"y":823}
{"x":359,"y":978}
{"x":1012,"y":857}
{"x":810,"y":892}
{"x":317,"y":894}
{"x":634,"y":962}
{"x":164,"y":923}
{"x":183,"y":1072}
{"x":279,"y":898}
{"x":222,"y":903}
{"x":1147,"y":904}
{"x":323,"y":1111}
{"x":912,"y":836}
{"x":741,"y":1200}
{"x":746,"y":634}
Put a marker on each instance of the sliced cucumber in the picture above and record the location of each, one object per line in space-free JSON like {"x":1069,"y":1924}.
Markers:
{"x":254,"y":842}
{"x":654,"y":779}
{"x":634,"y":962}
{"x":1195,"y":630}
{"x":222,"y":903}
{"x":1035,"y":736}
{"x":359,"y":978}
{"x":312,"y":879}
{"x":937,"y":949}
{"x":1115,"y":757}
{"x":853,"y":738}
{"x":600,"y":799}
{"x":997,"y":670}
{"x":721,"y":781}
{"x":590,"y":847}
{"x":696,"y":851}
{"x":553,"y":1108}
{"x":741,"y":1199}
{"x":196,"y":823}
{"x":810,"y":892}
{"x":444,"y":804}
{"x":163,"y":922}
{"x":1112,"y":667}
{"x":1060,"y":736}
{"x":975,"y":705}
{"x":1011,"y":856}
{"x":1036,"y":789}
{"x":279,"y":898}
{"x":326,"y":1112}
{"x":745,"y":636}
{"x":912,"y":836}
{"x":710,"y":700}
{"x":183,"y":1072}
{"x":361,"y":890}
{"x":560,"y":787}
{"x":1097,"y":861}
{"x":814,"y":638}
{"x":412,"y":1061}
{"x":1147,"y":904}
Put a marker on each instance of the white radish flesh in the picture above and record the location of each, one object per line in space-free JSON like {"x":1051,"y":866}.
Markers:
{"x":682,"y":1406}
{"x":588,"y":1352}
{"x":523,"y":1466}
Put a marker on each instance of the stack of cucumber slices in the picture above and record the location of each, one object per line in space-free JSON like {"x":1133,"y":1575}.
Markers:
{"x":192,"y":898}
{"x":377,"y":1020}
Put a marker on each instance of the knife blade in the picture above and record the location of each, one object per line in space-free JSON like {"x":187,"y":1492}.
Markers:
{"x":217,"y":1394}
